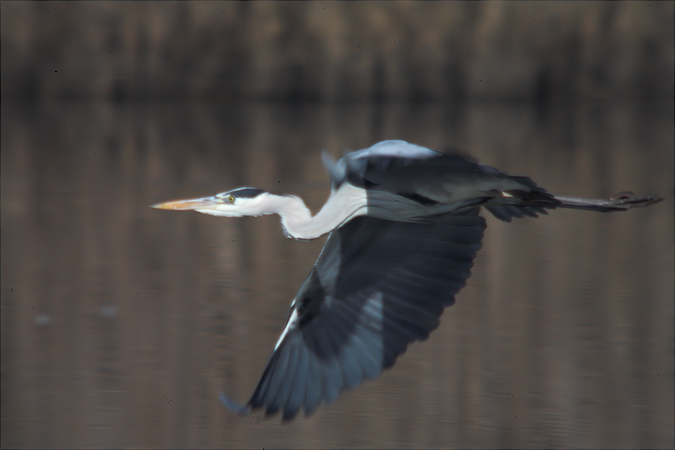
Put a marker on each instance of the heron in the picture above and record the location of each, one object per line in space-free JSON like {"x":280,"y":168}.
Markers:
{"x":403,"y":229}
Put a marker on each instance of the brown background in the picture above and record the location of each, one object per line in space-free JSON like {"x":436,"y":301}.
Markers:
{"x":121,"y":324}
{"x":330,"y":51}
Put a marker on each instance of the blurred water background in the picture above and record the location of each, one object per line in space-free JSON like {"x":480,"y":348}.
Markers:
{"x":121,"y":324}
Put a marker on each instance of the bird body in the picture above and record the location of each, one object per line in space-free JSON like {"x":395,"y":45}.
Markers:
{"x":404,"y":230}
{"x":407,"y":182}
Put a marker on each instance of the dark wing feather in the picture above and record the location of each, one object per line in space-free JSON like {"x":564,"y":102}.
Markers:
{"x":376,"y":287}
{"x":442,"y":178}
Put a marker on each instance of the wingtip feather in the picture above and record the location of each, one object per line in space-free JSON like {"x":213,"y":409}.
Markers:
{"x":232,"y":405}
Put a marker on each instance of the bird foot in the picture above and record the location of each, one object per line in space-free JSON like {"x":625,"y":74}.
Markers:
{"x":629,"y":200}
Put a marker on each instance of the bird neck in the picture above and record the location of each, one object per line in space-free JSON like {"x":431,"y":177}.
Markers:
{"x":343,"y":204}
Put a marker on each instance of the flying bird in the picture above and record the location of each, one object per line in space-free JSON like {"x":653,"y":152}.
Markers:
{"x":404,"y":229}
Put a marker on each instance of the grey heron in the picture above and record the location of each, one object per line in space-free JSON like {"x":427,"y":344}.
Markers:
{"x":404,"y":229}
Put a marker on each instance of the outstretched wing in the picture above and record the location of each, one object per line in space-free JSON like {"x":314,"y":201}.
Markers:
{"x":376,"y":287}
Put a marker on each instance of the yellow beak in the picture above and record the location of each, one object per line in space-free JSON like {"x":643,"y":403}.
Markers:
{"x":189,"y":205}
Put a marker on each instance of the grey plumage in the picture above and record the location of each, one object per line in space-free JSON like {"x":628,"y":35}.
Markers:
{"x":404,"y":231}
{"x":388,"y":285}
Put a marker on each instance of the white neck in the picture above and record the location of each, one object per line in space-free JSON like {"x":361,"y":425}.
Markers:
{"x":347,"y":202}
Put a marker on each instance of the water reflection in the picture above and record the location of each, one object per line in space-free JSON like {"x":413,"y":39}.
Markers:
{"x":120,"y":324}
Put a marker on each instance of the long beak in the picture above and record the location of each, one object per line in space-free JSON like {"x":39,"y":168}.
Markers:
{"x":195,"y":204}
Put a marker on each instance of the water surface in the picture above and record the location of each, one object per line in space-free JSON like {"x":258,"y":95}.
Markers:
{"x":121,"y":324}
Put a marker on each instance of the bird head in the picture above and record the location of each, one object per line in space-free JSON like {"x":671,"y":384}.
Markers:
{"x":240,"y":202}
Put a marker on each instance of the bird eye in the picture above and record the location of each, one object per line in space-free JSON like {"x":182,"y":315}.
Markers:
{"x":230,"y":198}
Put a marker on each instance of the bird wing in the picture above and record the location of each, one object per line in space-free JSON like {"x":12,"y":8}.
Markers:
{"x":430,"y":177}
{"x":376,"y":287}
